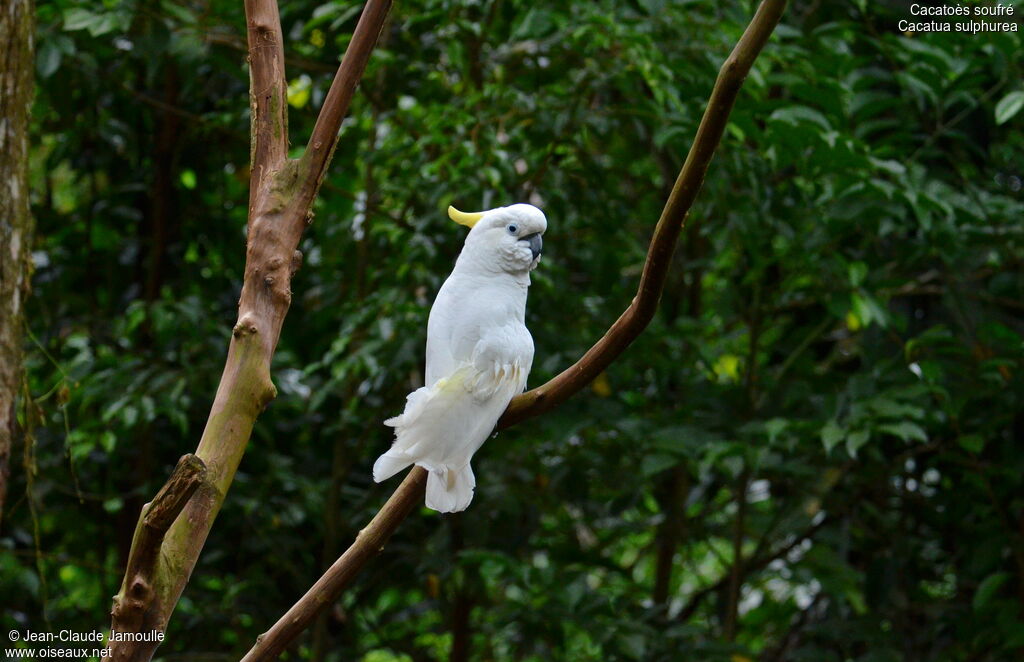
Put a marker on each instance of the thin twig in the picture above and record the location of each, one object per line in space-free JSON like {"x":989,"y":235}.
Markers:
{"x":749,"y":567}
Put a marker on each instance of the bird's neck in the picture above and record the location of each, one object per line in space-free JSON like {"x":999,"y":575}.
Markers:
{"x":471,"y":265}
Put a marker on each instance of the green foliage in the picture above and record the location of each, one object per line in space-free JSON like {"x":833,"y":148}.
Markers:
{"x":832,"y":385}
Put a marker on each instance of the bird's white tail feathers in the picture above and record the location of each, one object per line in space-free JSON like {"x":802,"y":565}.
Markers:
{"x":390,"y":463}
{"x":450,"y":490}
{"x":440,"y":429}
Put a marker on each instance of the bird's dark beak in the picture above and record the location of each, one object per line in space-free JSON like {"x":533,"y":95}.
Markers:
{"x":536,"y":243}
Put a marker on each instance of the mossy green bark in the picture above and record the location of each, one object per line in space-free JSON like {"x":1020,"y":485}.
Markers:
{"x":16,"y":223}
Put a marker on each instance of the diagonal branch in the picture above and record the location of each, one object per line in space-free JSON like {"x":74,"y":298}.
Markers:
{"x":663,"y":244}
{"x":369,"y":542}
{"x":629,"y":325}
{"x":747,"y":568}
{"x":132,"y":600}
{"x":324,"y":138}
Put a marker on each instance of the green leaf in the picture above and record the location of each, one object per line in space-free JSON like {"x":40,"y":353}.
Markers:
{"x":868,"y":310}
{"x":633,"y":645}
{"x":299,"y":91}
{"x":113,"y":505}
{"x":96,"y":24}
{"x":536,"y":23}
{"x":856,"y":600}
{"x":179,"y":12}
{"x":988,"y":588}
{"x":973,"y":443}
{"x":1009,"y":106}
{"x":48,"y":58}
{"x":857,"y":272}
{"x":797,"y":115}
{"x":855,"y":440}
{"x":384,"y":655}
{"x":654,"y":464}
{"x":886,"y":408}
{"x":108,"y":441}
{"x":905,"y":430}
{"x":79,"y":19}
{"x":774,"y":428}
{"x":188,"y":178}
{"x":890,"y":166}
{"x":831,"y":435}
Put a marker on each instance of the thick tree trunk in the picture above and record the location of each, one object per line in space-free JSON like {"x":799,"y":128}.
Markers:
{"x":16,"y":226}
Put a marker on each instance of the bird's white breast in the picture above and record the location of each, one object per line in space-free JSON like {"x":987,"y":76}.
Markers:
{"x":468,"y":307}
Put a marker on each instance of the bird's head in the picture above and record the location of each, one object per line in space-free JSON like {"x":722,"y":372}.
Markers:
{"x":504,"y":239}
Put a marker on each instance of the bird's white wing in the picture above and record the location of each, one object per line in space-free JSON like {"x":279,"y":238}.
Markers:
{"x":445,"y":423}
{"x":472,"y":318}
{"x":501,"y":360}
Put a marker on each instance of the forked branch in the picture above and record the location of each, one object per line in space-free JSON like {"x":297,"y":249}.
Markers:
{"x":132,"y":600}
{"x":280,"y":198}
{"x":623,"y":332}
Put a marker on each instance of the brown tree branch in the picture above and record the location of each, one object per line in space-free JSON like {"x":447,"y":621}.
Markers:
{"x":671,"y":530}
{"x":132,"y":601}
{"x":280,"y":197}
{"x":749,"y":567}
{"x":326,"y":590}
{"x":629,"y":325}
{"x":325,"y":132}
{"x":268,"y":94}
{"x":659,"y":255}
{"x":736,"y":573}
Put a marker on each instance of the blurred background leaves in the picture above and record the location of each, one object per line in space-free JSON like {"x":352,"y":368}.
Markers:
{"x":813,"y":453}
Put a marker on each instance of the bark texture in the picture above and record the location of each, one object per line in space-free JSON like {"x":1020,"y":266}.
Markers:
{"x":17,"y":64}
{"x":281,"y":194}
{"x":132,"y":603}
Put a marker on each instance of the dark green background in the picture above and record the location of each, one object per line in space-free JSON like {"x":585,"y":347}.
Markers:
{"x":832,"y":386}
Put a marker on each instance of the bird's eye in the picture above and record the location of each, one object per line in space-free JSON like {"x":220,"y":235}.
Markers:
{"x":513,"y":228}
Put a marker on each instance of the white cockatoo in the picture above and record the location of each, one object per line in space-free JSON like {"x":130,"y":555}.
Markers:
{"x":479,"y":353}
